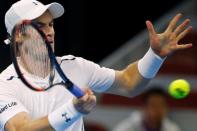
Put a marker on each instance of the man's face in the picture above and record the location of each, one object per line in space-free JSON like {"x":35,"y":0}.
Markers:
{"x":35,"y":60}
{"x":45,"y":24}
{"x":155,"y":108}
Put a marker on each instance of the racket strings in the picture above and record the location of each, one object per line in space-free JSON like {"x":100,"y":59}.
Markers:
{"x":33,"y":54}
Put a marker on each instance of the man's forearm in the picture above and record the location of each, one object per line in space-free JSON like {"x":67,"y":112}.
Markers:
{"x":128,"y":82}
{"x":22,"y":122}
{"x":41,"y":124}
{"x":133,"y":81}
{"x":136,"y":75}
{"x":59,"y":119}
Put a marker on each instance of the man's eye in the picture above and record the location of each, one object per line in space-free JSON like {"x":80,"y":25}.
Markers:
{"x":39,"y":25}
{"x":51,"y":24}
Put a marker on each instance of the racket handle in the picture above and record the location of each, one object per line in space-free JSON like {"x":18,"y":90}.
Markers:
{"x":76,"y":91}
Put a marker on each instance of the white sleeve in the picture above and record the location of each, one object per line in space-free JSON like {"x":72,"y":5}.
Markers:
{"x":132,"y":123}
{"x":101,"y":78}
{"x":97,"y":78}
{"x":9,"y":108}
{"x":169,"y":125}
{"x":9,"y":105}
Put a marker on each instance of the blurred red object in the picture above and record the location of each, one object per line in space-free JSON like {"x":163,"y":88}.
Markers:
{"x":90,"y":126}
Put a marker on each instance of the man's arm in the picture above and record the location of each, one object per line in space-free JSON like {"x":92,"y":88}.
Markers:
{"x":74,"y":109}
{"x":23,"y":122}
{"x":136,"y":75}
{"x":128,"y":82}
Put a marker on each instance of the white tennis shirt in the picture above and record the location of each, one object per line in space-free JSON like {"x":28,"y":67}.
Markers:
{"x":15,"y":97}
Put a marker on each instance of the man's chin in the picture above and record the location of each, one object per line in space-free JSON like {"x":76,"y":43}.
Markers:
{"x":52,"y":46}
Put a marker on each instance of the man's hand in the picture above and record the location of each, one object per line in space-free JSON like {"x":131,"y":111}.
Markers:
{"x":86,"y":103}
{"x":167,"y":42}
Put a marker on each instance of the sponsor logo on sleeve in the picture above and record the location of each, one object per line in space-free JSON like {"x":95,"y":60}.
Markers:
{"x":7,"y":106}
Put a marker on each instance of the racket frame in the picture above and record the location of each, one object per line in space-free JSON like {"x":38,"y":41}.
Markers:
{"x":75,"y":90}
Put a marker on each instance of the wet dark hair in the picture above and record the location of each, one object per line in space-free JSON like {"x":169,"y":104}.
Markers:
{"x":154,"y":90}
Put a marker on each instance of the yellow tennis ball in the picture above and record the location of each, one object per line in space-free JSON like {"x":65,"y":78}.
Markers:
{"x":179,"y":88}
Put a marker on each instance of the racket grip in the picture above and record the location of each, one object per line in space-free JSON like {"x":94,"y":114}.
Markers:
{"x":76,"y":91}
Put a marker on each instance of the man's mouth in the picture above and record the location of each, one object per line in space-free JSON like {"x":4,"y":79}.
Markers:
{"x":51,"y":42}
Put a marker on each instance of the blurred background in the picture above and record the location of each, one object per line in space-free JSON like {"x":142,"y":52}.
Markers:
{"x":113,"y":34}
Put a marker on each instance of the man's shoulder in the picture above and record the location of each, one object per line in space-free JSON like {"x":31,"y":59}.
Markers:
{"x":68,"y":57}
{"x":132,"y":122}
{"x":76,"y":60}
{"x":171,"y":125}
{"x":8,"y":74}
{"x":8,"y":80}
{"x":136,"y":116}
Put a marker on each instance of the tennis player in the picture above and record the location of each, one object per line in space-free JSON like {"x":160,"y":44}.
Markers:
{"x":22,"y":109}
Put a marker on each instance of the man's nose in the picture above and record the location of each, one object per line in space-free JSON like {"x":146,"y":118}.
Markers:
{"x":49,"y":31}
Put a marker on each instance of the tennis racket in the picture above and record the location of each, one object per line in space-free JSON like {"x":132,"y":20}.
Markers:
{"x":34,"y":59}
